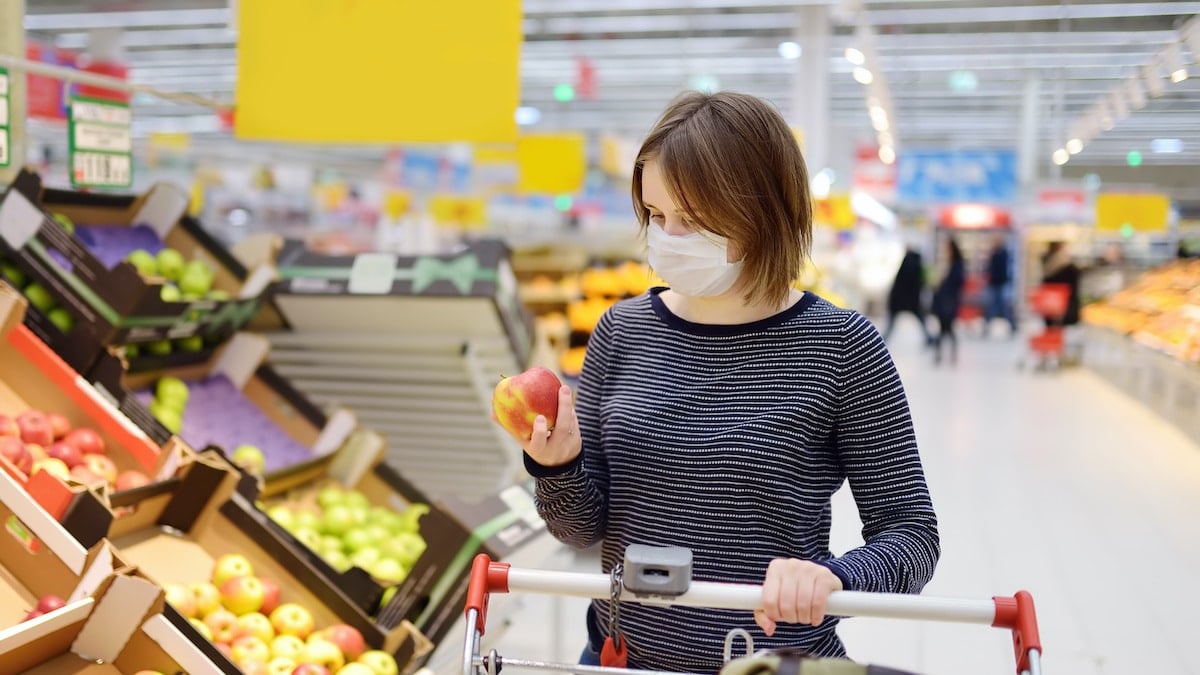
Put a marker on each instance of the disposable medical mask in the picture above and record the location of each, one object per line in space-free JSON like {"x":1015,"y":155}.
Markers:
{"x":695,"y":264}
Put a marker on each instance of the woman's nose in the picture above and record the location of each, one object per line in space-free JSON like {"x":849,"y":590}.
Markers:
{"x":675,"y":227}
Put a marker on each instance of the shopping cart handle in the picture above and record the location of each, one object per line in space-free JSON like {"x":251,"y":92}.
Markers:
{"x":1014,"y":613}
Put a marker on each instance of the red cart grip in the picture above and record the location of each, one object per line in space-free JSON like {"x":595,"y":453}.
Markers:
{"x":487,"y":577}
{"x":1017,"y":613}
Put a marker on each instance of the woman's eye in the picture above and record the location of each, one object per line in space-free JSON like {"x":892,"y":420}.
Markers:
{"x":657,"y":218}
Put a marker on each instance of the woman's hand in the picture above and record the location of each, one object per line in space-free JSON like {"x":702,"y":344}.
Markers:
{"x":560,"y":446}
{"x":795,"y":591}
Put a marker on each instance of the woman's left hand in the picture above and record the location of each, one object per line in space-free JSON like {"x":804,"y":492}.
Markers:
{"x":795,"y":591}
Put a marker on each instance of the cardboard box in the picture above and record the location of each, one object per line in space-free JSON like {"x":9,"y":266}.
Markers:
{"x":176,"y":535}
{"x":311,"y":438}
{"x":33,"y":376}
{"x":467,"y":294}
{"x":115,"y":305}
{"x":435,"y":592}
{"x":120,"y":631}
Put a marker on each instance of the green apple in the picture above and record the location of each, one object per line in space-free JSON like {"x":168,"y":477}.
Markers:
{"x":218,"y":295}
{"x":287,"y":647}
{"x":357,"y":539}
{"x":202,"y":628}
{"x":250,"y":458}
{"x":308,"y":537}
{"x":170,"y":263}
{"x":13,"y":273}
{"x":365,"y":558}
{"x":39,"y":297}
{"x":283,"y":516}
{"x":159,"y":347}
{"x":337,"y":520}
{"x":144,"y":261}
{"x":195,"y":281}
{"x":338,"y":560}
{"x":360,"y":515}
{"x":191,"y":297}
{"x":194,"y":343}
{"x":410,"y":519}
{"x":389,"y":570}
{"x":388,"y":594}
{"x":331,"y":495}
{"x":170,"y":293}
{"x":199,"y":268}
{"x":330,"y":543}
{"x":132,"y":351}
{"x":380,"y":662}
{"x":169,"y":417}
{"x":61,"y":318}
{"x":356,"y":499}
{"x":377,"y":533}
{"x":230,"y":566}
{"x":64,"y":222}
{"x":172,"y":390}
{"x":405,"y":547}
{"x":307,"y":520}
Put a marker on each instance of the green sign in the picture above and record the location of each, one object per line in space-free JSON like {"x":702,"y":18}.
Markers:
{"x":101,"y":144}
{"x":5,"y":160}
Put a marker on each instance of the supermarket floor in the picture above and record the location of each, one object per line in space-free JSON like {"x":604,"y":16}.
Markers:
{"x":1056,"y":483}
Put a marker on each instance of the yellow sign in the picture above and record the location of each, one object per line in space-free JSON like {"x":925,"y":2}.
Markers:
{"x":551,"y":163}
{"x":164,"y":140}
{"x":834,"y":211}
{"x":396,"y":203}
{"x":1142,"y":213}
{"x":489,"y":155}
{"x":378,"y":72}
{"x":465,"y":212}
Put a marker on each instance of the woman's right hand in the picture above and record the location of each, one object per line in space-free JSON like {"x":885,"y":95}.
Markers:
{"x":560,"y":445}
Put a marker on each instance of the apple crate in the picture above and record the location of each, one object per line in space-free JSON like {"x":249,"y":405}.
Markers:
{"x":123,"y":629}
{"x":236,"y":399}
{"x":85,"y":272}
{"x":179,"y":535}
{"x":33,"y":377}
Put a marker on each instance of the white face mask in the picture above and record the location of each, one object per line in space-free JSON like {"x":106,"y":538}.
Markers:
{"x":695,"y":264}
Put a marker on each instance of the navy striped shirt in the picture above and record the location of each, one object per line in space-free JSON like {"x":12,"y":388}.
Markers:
{"x":730,"y":440}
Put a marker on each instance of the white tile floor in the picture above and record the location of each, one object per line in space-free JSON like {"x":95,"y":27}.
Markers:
{"x":1056,"y":483}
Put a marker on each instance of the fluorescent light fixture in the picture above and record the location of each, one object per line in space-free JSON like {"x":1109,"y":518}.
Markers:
{"x":1074,"y":146}
{"x":963,"y":81}
{"x":1166,"y":146}
{"x":821,"y":183}
{"x":1173,"y":57}
{"x":789,"y":50}
{"x":528,"y":115}
{"x":887,"y":154}
{"x":879,"y":119}
{"x":1061,"y":156}
{"x":885,"y":138}
{"x":866,"y":206}
{"x":863,"y":76}
{"x":854,"y":56}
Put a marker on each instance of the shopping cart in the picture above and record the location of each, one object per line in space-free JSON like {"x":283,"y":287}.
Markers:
{"x":1050,"y":302}
{"x":664,"y":584}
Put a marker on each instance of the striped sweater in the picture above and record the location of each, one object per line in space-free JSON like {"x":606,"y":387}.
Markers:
{"x":730,"y":441}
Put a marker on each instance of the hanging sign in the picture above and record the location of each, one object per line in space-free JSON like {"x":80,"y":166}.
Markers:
{"x":4,"y":110}
{"x":101,"y":144}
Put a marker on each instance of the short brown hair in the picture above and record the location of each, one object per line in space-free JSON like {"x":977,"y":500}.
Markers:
{"x":732,"y":164}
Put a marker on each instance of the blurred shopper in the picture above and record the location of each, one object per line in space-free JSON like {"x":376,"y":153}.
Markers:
{"x":999,"y":287}
{"x":722,"y":414}
{"x":1059,"y":268}
{"x":906,"y":293}
{"x":947,"y":300}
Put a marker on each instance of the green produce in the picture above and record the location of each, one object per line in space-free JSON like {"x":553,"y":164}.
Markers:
{"x":64,"y":222}
{"x":132,"y":351}
{"x":159,"y":347}
{"x":61,"y":318}
{"x":172,"y":391}
{"x":144,"y":261}
{"x":170,"y":263}
{"x":194,"y":343}
{"x":13,"y":273}
{"x":39,"y":297}
{"x":218,"y":295}
{"x":196,"y":279}
{"x":170,"y":418}
{"x":170,"y":293}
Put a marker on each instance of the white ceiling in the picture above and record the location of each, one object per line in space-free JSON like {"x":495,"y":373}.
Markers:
{"x":644,"y":51}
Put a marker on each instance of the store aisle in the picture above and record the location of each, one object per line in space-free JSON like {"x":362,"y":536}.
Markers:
{"x":1052,"y":482}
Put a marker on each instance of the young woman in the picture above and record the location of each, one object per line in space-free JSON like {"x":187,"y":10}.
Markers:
{"x":722,"y":413}
{"x":947,"y":300}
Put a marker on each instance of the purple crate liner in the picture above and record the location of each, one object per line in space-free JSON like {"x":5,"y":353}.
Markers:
{"x":111,"y":245}
{"x":218,"y":414}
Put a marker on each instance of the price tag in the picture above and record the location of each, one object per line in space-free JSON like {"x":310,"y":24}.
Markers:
{"x":373,"y":273}
{"x":101,"y":144}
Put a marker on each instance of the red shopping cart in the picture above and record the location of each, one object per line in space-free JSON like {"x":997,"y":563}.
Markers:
{"x":1015,"y":613}
{"x":1050,"y":302}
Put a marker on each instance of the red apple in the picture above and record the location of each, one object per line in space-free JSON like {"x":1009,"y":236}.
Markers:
{"x":225,"y":650}
{"x":49,"y":603}
{"x":292,"y":619}
{"x":15,"y":451}
{"x":68,"y":453}
{"x":87,"y":440}
{"x":346,"y":638}
{"x":33,"y":615}
{"x":102,"y":466}
{"x":252,"y":666}
{"x":229,"y":566}
{"x":181,"y":598}
{"x":323,"y":653}
{"x":270,"y":596}
{"x":36,"y":451}
{"x":249,"y":648}
{"x":208,"y":598}
{"x":84,"y":475}
{"x":242,"y":595}
{"x":280,"y":665}
{"x":54,"y":467}
{"x":224,"y":625}
{"x":310,"y":669}
{"x":60,"y":426}
{"x":519,"y":399}
{"x":8,"y":427}
{"x":128,"y":480}
{"x":35,"y":428}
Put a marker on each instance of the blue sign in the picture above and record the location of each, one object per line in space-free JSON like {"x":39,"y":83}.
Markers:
{"x":945,"y":176}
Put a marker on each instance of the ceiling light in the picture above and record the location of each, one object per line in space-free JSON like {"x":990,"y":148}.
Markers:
{"x":789,"y":50}
{"x":1074,"y":146}
{"x":854,"y":56}
{"x":879,"y":119}
{"x":885,"y":138}
{"x":963,"y":81}
{"x":863,"y":76}
{"x":1166,"y":146}
{"x":1174,"y":61}
{"x":1134,"y":158}
{"x":528,"y":115}
{"x":821,"y":183}
{"x":887,"y":154}
{"x":1061,"y":156}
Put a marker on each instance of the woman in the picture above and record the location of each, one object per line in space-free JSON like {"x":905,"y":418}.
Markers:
{"x":947,"y":300}
{"x":722,"y":413}
{"x":905,"y":295}
{"x":1059,"y":268}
